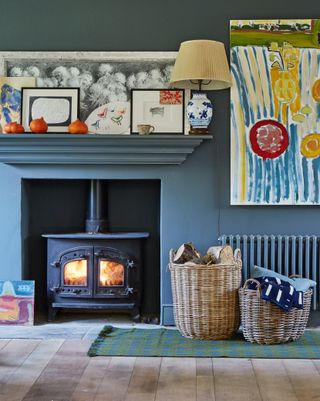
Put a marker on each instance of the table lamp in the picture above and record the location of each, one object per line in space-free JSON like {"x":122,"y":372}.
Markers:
{"x":200,"y":64}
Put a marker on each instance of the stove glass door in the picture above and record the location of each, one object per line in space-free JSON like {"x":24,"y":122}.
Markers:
{"x":111,"y":273}
{"x":76,"y":273}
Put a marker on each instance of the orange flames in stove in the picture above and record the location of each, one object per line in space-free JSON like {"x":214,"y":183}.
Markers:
{"x":111,"y":273}
{"x":75,"y":273}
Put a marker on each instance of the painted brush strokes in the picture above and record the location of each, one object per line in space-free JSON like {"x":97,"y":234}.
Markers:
{"x":16,"y":302}
{"x":10,"y":97}
{"x":275,"y":112}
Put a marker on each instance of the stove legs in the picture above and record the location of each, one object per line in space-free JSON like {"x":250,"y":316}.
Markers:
{"x":135,"y":314}
{"x":52,"y":312}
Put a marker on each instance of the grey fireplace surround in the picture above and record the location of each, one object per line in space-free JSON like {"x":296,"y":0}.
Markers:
{"x":178,"y":161}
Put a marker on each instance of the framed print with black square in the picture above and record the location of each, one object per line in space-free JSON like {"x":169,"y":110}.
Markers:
{"x":58,"y":106}
{"x":164,"y":109}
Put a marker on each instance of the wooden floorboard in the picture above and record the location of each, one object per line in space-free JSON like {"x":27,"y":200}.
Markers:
{"x":116,"y":380}
{"x":305,"y":379}
{"x":3,"y":343}
{"x":205,"y":380}
{"x":316,"y":363}
{"x":12,"y":356}
{"x":91,"y":379}
{"x":273,"y":380}
{"x":144,"y":380}
{"x":60,"y":370}
{"x":61,"y":376}
{"x":24,"y":376}
{"x":177,"y":380}
{"x":234,"y":379}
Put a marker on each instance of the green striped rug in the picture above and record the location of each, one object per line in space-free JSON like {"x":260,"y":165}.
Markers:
{"x":113,"y":341}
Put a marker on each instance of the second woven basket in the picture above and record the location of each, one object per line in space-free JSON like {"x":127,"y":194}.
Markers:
{"x":265,"y":323}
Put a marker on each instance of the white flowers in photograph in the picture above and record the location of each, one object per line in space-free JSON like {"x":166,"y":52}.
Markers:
{"x":103,"y":77}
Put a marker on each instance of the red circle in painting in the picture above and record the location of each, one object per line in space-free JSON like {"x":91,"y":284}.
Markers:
{"x":269,"y":139}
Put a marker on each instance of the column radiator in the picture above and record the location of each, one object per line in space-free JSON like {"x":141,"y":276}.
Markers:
{"x":285,"y":254}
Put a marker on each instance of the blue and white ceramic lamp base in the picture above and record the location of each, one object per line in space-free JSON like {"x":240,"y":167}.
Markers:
{"x":199,"y":112}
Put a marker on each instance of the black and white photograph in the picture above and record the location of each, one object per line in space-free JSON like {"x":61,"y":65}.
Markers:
{"x":105,"y":79}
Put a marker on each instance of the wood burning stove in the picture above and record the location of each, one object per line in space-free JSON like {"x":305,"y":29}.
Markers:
{"x":95,"y":269}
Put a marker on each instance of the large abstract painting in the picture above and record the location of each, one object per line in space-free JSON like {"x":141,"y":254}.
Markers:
{"x":16,"y":302}
{"x":275,"y":112}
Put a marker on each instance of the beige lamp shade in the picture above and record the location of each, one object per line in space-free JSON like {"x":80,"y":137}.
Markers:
{"x":204,"y":60}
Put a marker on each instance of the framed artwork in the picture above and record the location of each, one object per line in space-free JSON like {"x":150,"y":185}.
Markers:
{"x":17,"y":302}
{"x":275,"y":112}
{"x":103,"y":77}
{"x":58,"y":106}
{"x":163,"y":109}
{"x":10,"y":98}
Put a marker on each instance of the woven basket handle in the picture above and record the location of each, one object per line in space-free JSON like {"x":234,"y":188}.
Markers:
{"x":172,"y":252}
{"x":252,"y":280}
{"x":237,"y":255}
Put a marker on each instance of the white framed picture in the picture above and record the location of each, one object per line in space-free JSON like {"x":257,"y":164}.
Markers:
{"x":164,"y":109}
{"x":59,"y":107}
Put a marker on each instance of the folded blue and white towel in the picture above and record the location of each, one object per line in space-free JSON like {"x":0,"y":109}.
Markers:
{"x":279,"y":292}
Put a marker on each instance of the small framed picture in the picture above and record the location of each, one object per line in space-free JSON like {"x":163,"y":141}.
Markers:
{"x":58,"y":106}
{"x":162,"y":109}
{"x":16,"y":302}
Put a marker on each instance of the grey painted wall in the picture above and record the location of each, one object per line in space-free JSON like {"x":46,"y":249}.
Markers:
{"x":162,"y":25}
{"x":200,"y":187}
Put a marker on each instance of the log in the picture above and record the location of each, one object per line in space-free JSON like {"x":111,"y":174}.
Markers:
{"x":186,"y":253}
{"x":223,"y":254}
{"x":205,"y":260}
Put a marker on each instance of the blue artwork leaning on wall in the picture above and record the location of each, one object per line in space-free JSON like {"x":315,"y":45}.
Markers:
{"x":16,"y":302}
{"x":275,"y":112}
{"x":10,"y":98}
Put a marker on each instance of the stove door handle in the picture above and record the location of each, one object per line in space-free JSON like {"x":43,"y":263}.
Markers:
{"x":55,"y":289}
{"x":56,"y":263}
{"x":128,"y":290}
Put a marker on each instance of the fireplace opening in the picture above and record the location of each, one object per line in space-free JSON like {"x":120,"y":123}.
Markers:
{"x":91,"y":264}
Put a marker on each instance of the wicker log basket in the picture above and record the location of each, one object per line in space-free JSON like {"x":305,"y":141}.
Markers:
{"x":205,"y":298}
{"x":265,"y":323}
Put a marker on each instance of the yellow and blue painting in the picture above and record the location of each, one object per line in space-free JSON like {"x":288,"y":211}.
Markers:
{"x":16,"y":302}
{"x":275,"y":112}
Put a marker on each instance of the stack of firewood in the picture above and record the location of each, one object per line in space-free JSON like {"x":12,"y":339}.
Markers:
{"x":188,"y":254}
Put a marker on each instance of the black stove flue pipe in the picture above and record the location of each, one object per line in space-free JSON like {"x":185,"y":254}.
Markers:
{"x":96,"y":221}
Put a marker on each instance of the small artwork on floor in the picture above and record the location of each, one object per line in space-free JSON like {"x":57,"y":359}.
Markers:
{"x":17,"y":302}
{"x":275,"y":112}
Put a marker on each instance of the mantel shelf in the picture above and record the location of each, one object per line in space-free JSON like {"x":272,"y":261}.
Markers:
{"x":97,"y":149}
